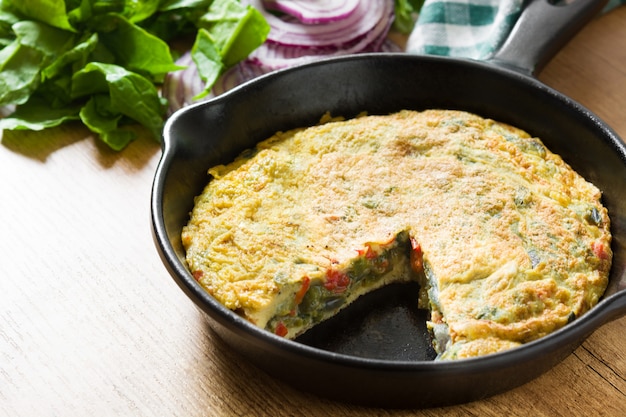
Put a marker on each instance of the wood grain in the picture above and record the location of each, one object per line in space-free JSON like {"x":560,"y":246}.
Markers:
{"x":91,"y":324}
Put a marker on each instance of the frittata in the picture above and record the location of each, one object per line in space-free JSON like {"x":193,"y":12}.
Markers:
{"x":507,"y":241}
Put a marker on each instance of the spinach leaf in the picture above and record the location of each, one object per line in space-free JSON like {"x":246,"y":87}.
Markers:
{"x":134,"y":48}
{"x":78,"y":55}
{"x":7,"y":20}
{"x":138,"y":10}
{"x":236,"y":29}
{"x":101,"y":118}
{"x":51,"y":12}
{"x":207,"y":59}
{"x":228,"y":32}
{"x":36,"y":45}
{"x":36,"y":114}
{"x":48,"y":40}
{"x":130,"y":95}
{"x":101,"y":61}
{"x":19,"y":73}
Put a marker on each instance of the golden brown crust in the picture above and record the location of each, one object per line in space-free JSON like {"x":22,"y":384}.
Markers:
{"x":514,"y":241}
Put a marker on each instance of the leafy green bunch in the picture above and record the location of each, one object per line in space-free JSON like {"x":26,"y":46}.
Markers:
{"x":101,"y":61}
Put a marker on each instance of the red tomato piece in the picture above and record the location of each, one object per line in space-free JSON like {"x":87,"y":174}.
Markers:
{"x":336,"y":281}
{"x":599,"y":250}
{"x":281,"y":329}
{"x":417,"y":262}
{"x":368,"y":252}
{"x":306,"y":283}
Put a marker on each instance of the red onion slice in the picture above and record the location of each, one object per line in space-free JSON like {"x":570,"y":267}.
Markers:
{"x":180,"y":87}
{"x":272,"y":56}
{"x":358,"y":23}
{"x":239,"y":74}
{"x":314,"y":11}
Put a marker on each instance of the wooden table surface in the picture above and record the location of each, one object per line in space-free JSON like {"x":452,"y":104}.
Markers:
{"x":91,"y":324}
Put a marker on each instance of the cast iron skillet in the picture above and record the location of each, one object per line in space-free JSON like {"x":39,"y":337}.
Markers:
{"x":377,"y":351}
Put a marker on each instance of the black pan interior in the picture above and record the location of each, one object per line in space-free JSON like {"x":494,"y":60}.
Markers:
{"x":215,"y":132}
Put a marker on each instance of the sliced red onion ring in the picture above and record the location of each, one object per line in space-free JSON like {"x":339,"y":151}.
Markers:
{"x":239,"y":74}
{"x":314,"y":11}
{"x":180,"y":87}
{"x":357,"y":24}
{"x":272,"y":56}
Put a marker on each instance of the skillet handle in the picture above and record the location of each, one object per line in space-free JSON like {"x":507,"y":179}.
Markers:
{"x":542,"y":29}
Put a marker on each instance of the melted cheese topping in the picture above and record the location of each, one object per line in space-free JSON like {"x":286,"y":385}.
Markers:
{"x":514,"y":244}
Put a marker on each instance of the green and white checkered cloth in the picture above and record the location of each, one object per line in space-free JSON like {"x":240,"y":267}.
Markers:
{"x":467,"y":28}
